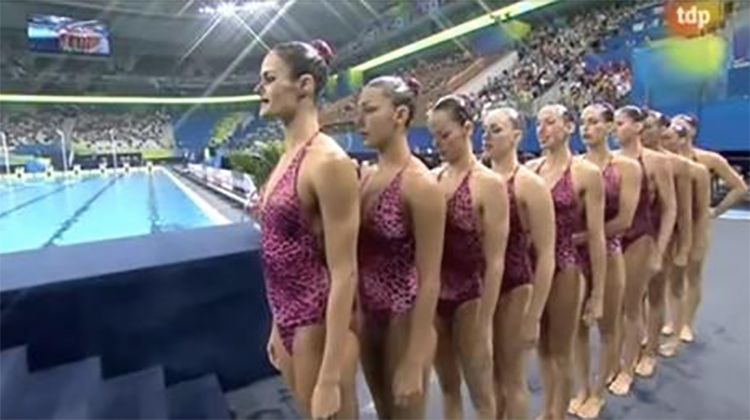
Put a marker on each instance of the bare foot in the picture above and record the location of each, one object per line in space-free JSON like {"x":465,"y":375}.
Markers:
{"x":644,"y":341}
{"x":592,"y":407}
{"x":686,"y":335}
{"x":669,"y":349}
{"x":645,"y":366}
{"x":667,"y":329}
{"x":576,"y":403}
{"x":621,"y":385}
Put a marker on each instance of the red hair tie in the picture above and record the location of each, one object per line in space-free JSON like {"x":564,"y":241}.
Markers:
{"x":325,"y":51}
{"x":413,"y":85}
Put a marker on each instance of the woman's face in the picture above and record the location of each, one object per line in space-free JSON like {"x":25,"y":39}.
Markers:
{"x":551,"y":128}
{"x":626,"y":129}
{"x":670,"y":140}
{"x":652,"y":132}
{"x":450,"y":137}
{"x":500,"y":137}
{"x":377,"y":118}
{"x":594,"y":130}
{"x":279,"y":93}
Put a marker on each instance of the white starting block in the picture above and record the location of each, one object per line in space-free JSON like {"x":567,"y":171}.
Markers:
{"x":126,"y":167}
{"x":149,"y":166}
{"x":77,"y":170}
{"x":49,"y":172}
{"x":102,"y":168}
{"x":20,"y":172}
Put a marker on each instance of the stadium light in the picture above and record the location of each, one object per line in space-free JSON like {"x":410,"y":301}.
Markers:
{"x":229,"y":8}
{"x":505,"y":13}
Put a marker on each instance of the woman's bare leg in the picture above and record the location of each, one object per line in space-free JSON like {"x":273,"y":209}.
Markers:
{"x":309,"y":343}
{"x":564,"y":306}
{"x":693,"y":299}
{"x":609,"y":332}
{"x":676,"y":283}
{"x":449,"y":375}
{"x":581,"y":359}
{"x":397,"y":339}
{"x":372,"y":349}
{"x":349,"y":400}
{"x":547,"y":365}
{"x":475,"y":358}
{"x":636,"y":283}
{"x":510,"y":355}
{"x":657,"y":291}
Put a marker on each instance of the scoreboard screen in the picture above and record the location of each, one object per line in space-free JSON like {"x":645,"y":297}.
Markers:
{"x":61,"y":34}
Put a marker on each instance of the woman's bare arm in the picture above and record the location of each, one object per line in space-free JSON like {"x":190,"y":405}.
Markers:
{"x":427,"y":205}
{"x":337,"y":191}
{"x":541,"y":218}
{"x":495,"y":223}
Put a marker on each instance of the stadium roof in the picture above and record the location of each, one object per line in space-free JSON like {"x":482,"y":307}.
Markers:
{"x":176,"y":24}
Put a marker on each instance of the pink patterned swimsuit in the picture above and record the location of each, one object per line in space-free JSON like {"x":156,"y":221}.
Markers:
{"x":462,"y":267}
{"x":612,"y":182}
{"x":645,"y":220}
{"x":294,"y":265}
{"x":386,"y":257}
{"x":567,"y":220}
{"x":518,"y":264}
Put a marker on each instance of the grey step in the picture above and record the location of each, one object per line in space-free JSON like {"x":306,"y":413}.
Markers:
{"x":201,"y":398}
{"x":13,"y":373}
{"x":139,"y":395}
{"x":264,"y":400}
{"x":49,"y":393}
{"x":76,"y":401}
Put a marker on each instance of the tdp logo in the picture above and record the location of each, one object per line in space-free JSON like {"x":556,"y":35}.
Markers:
{"x":693,"y":17}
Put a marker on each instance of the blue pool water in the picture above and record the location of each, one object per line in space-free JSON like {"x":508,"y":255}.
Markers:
{"x":41,"y":213}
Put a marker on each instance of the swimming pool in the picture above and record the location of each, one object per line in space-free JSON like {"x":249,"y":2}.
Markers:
{"x":41,"y":213}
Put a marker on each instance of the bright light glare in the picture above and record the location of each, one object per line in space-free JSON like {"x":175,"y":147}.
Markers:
{"x":227,"y":9}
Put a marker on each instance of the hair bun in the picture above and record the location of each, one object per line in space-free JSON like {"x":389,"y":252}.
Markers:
{"x":413,"y":84}
{"x":325,"y":51}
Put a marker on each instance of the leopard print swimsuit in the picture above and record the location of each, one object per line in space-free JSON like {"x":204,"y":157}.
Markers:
{"x":386,"y":256}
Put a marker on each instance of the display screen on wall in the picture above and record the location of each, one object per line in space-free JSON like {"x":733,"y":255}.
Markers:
{"x":62,"y":34}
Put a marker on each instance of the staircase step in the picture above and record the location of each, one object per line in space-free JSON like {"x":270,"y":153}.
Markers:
{"x":139,"y":395}
{"x":76,"y":400}
{"x":265,"y":399}
{"x":56,"y":390}
{"x":13,"y":373}
{"x":198,"y":399}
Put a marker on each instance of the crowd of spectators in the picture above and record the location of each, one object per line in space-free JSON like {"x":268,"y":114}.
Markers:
{"x":610,"y":84}
{"x":550,"y":54}
{"x":87,"y":129}
{"x":129,"y":131}
{"x":433,"y":74}
{"x":31,"y":126}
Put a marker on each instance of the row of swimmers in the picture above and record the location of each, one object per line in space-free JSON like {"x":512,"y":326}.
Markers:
{"x":467,"y":267}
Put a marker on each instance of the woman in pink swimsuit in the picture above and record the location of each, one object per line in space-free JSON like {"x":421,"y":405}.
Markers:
{"x":622,"y":183}
{"x":656,"y":126}
{"x":578,"y":196}
{"x":717,"y":166}
{"x":526,"y":280}
{"x":682,"y":282}
{"x":645,"y":242}
{"x":400,"y":252}
{"x":309,"y":217}
{"x":476,"y":234}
